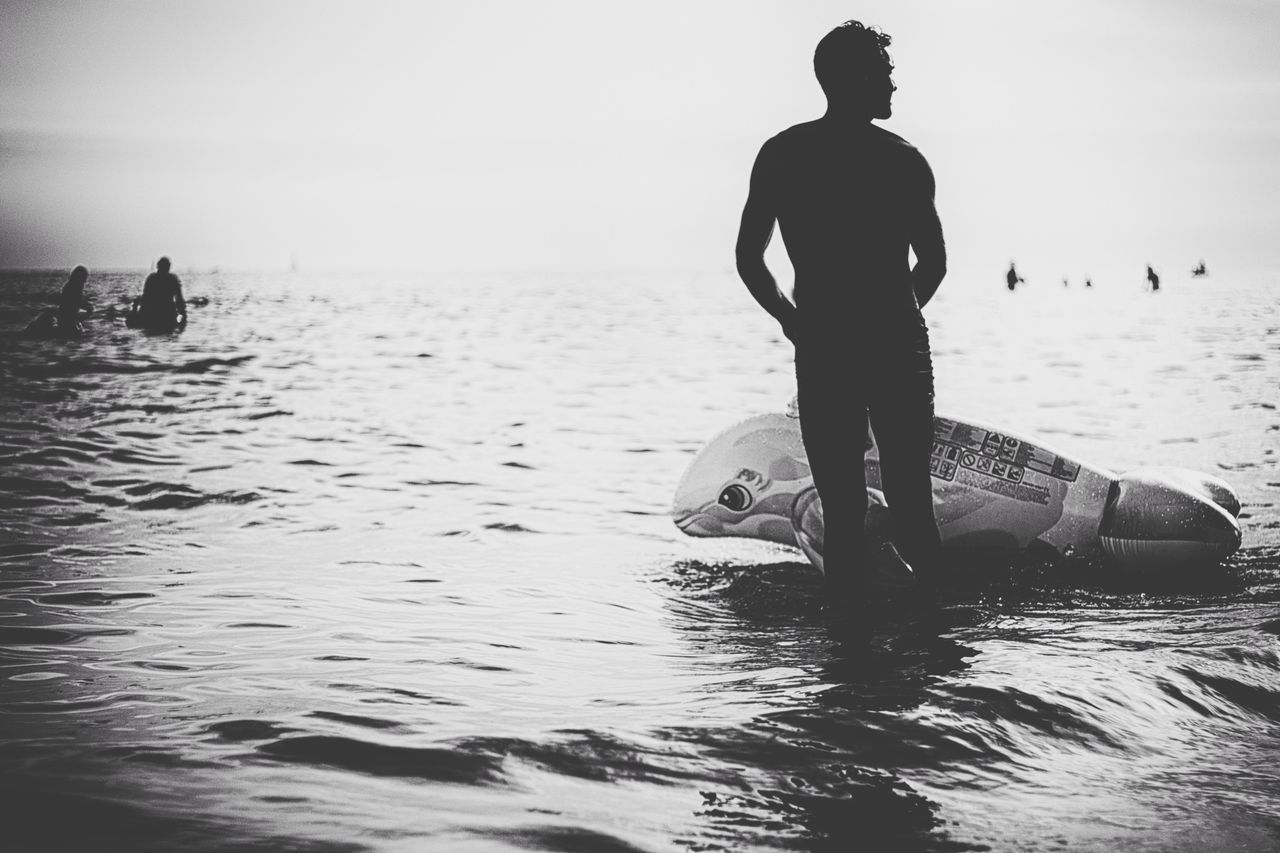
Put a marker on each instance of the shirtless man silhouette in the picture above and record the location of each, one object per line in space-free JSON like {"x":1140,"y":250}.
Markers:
{"x":851,"y":199}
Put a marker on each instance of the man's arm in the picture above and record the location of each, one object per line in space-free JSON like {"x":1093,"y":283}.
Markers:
{"x":178,"y":301}
{"x":754,"y":234}
{"x":926,"y":239}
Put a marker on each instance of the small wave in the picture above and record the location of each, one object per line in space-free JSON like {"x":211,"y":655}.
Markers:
{"x":158,"y":666}
{"x":509,"y":527}
{"x":1233,"y":695}
{"x":17,"y":635}
{"x":55,"y":457}
{"x":23,"y":491}
{"x":146,"y":408}
{"x":1177,"y":694}
{"x":204,"y":365}
{"x":597,"y":756}
{"x":144,"y":435}
{"x":393,"y":695}
{"x":356,"y":720}
{"x":75,"y":519}
{"x":81,"y":367}
{"x":87,"y":366}
{"x":559,"y":838}
{"x":148,"y":488}
{"x":242,"y":730}
{"x":464,"y":663}
{"x":89,"y":599}
{"x":133,"y":457}
{"x":1021,"y":708}
{"x":37,"y":676}
{"x":22,"y":551}
{"x":161,"y":496}
{"x":434,"y":764}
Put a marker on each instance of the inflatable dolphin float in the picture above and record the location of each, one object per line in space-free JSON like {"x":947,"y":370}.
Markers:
{"x":992,"y":490}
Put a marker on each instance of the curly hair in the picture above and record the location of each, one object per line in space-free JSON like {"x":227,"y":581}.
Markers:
{"x":850,"y":49}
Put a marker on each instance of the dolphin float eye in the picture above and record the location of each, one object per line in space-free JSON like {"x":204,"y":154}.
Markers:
{"x":735,"y":498}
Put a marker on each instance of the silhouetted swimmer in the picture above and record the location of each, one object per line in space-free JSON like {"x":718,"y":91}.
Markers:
{"x":1199,"y":270}
{"x":1152,"y":278}
{"x":1011,"y":278}
{"x":851,"y":200}
{"x":64,"y":321}
{"x":1088,"y":282}
{"x":161,"y":306}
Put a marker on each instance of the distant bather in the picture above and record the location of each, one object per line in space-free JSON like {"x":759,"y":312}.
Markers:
{"x":64,"y":321}
{"x":161,"y":306}
{"x":1012,"y":279}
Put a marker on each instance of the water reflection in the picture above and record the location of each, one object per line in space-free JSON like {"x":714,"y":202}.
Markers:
{"x":820,"y":771}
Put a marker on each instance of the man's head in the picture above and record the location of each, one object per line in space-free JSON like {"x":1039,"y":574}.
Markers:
{"x":854,"y":69}
{"x":163,"y":265}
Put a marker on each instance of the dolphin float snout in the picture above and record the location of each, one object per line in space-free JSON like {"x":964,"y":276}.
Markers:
{"x":694,"y":523}
{"x":1167,"y":517}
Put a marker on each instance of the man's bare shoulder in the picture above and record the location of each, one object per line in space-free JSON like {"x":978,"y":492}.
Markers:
{"x":890,"y":139}
{"x":781,"y":151}
{"x":793,"y":136}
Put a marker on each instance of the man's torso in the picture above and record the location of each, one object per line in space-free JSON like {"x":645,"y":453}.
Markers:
{"x":845,"y":197}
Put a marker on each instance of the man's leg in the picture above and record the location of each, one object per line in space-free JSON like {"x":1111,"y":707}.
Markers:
{"x":833,"y":426}
{"x":902,"y":420}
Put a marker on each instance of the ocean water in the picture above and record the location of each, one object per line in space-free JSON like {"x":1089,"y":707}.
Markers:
{"x":379,"y":562}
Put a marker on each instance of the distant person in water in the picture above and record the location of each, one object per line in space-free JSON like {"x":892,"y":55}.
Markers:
{"x":852,"y":200}
{"x":1011,"y":278}
{"x":64,"y":320}
{"x":1152,"y":278}
{"x":161,"y":304}
{"x":1199,"y":270}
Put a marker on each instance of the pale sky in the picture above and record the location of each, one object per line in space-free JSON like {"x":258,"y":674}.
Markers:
{"x":583,"y":135}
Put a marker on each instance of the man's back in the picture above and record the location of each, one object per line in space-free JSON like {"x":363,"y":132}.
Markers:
{"x":162,"y":296}
{"x":159,"y":287}
{"x":850,"y":199}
